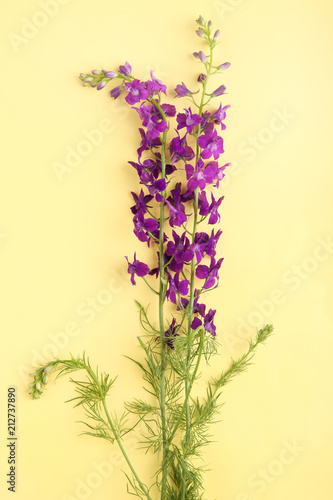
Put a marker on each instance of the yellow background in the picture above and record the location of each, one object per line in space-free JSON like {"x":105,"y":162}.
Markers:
{"x":63,"y":241}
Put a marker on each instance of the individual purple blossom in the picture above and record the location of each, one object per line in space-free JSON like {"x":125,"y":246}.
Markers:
{"x":110,"y":74}
{"x":209,"y":273}
{"x":177,"y":216}
{"x":200,"y":55}
{"x":199,"y":245}
{"x":169,"y":109}
{"x":152,"y":120}
{"x":219,"y":91}
{"x":170,"y":334}
{"x":102,"y":84}
{"x":211,"y":144}
{"x":115,"y":93}
{"x":201,"y":175}
{"x":180,"y":150}
{"x":141,"y":202}
{"x":213,"y":210}
{"x":180,"y":248}
{"x":143,"y":226}
{"x":207,"y":322}
{"x":154,"y":85}
{"x":182,"y":91}
{"x":136,"y":92}
{"x":126,"y":69}
{"x":221,"y":174}
{"x":203,"y":203}
{"x":156,"y":188}
{"x":223,"y":66}
{"x":137,"y":268}
{"x":211,"y":243}
{"x":188,"y":120}
{"x":220,"y":115}
{"x":176,"y":286}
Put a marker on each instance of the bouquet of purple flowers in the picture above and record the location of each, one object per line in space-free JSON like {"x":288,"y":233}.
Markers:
{"x":174,"y":209}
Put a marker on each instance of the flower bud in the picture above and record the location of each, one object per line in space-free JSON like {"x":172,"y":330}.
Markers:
{"x":200,"y":33}
{"x":101,"y":84}
{"x":202,"y":78}
{"x":202,"y":56}
{"x":223,"y":66}
{"x":210,"y":24}
{"x":216,"y":35}
{"x":97,"y":72}
{"x":219,"y":91}
{"x":110,"y":74}
{"x":200,"y":20}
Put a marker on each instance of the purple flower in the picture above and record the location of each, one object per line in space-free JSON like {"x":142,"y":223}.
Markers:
{"x":136,"y":92}
{"x":200,"y":55}
{"x":180,"y":150}
{"x":125,"y":70}
{"x":220,"y":115}
{"x":219,"y":91}
{"x":180,"y":249}
{"x":102,"y":84}
{"x":223,"y":66}
{"x":115,"y":93}
{"x":137,"y":268}
{"x":140,"y":202}
{"x":199,"y":245}
{"x":203,"y":204}
{"x":110,"y":74}
{"x":213,"y":210}
{"x":182,"y":91}
{"x":169,"y":109}
{"x":170,"y":334}
{"x":143,"y":226}
{"x":209,"y":273}
{"x":147,"y":142}
{"x":152,"y":120}
{"x":176,"y":214}
{"x":212,"y":242}
{"x":208,"y":322}
{"x":176,"y":287}
{"x":212,"y":144}
{"x":154,"y":85}
{"x":156,"y":188}
{"x":188,"y":120}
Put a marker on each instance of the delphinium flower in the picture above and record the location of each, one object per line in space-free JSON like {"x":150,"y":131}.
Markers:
{"x":178,"y":173}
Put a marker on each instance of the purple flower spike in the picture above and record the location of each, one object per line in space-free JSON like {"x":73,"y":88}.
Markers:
{"x":126,"y":69}
{"x":137,"y":268}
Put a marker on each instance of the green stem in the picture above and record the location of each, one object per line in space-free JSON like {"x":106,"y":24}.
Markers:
{"x":188,"y":385}
{"x":122,"y":449}
{"x":161,"y":317}
{"x":184,"y":408}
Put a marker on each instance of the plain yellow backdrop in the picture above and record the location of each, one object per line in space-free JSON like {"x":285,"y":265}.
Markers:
{"x":63,"y":237}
